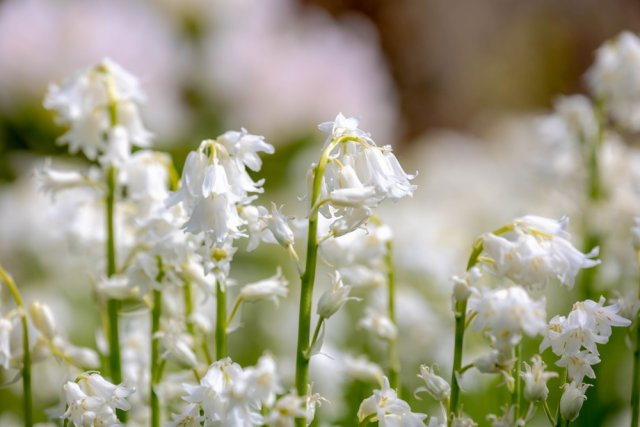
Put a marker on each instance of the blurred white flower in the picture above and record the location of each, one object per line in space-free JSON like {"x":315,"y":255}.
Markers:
{"x":385,"y":407}
{"x":613,"y":78}
{"x":92,"y":102}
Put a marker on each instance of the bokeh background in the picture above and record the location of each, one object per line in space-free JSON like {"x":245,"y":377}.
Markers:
{"x":455,"y":87}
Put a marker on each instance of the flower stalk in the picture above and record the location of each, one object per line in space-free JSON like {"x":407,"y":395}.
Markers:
{"x":221,"y":322}
{"x":635,"y":386}
{"x":154,"y":380}
{"x":308,"y":278}
{"x":394,"y":359}
{"x":460,"y":314}
{"x":26,"y":358}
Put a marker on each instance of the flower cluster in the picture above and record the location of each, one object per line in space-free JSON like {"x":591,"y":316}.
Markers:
{"x":574,"y":338}
{"x":534,"y":250}
{"x":98,"y":101}
{"x":215,"y":182}
{"x":92,"y":400}
{"x":614,"y":79}
{"x":358,"y":176}
{"x":231,"y":395}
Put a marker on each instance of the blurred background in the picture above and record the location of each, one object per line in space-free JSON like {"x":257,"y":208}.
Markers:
{"x":455,"y":87}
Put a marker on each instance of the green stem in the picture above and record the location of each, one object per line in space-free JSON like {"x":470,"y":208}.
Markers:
{"x":26,"y":357}
{"x":547,"y":411}
{"x":635,"y":386}
{"x":394,"y":359}
{"x":516,"y":397}
{"x":188,"y":308}
{"x":113,"y":305}
{"x":156,"y":311}
{"x":154,"y":380}
{"x":234,"y":309}
{"x":460,"y":314}
{"x":221,"y":322}
{"x":316,"y":333}
{"x":308,"y":277}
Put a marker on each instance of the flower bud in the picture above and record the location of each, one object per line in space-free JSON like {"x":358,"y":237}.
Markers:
{"x":42,"y":319}
{"x":333,"y":299}
{"x":572,"y":400}
{"x":535,"y":380}
{"x":272,"y":288}
{"x":436,"y":386}
{"x":279,"y":226}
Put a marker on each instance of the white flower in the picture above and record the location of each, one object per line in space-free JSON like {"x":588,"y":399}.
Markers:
{"x":286,"y":410}
{"x":579,"y":365}
{"x":245,"y":147}
{"x":579,"y":118}
{"x":115,"y":395}
{"x":84,"y":101}
{"x":176,"y":343}
{"x":343,"y":126}
{"x":436,"y":386}
{"x":603,"y":318}
{"x":572,"y":399}
{"x":508,"y":419}
{"x":278,"y":225}
{"x":189,"y":417}
{"x":385,"y":407}
{"x":363,"y":369}
{"x":272,"y":288}
{"x":54,"y":180}
{"x":6,"y":327}
{"x":535,"y":251}
{"x":506,"y":313}
{"x":614,"y":79}
{"x":334,"y":298}
{"x":215,"y":185}
{"x":379,"y":324}
{"x":96,"y":403}
{"x":588,"y":324}
{"x":535,"y":380}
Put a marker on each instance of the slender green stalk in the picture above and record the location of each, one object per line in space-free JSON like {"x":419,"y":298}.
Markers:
{"x":188,"y":307}
{"x":316,"y":333}
{"x":221,"y":322}
{"x":112,"y":304}
{"x":547,"y":411}
{"x":26,"y":357}
{"x":595,"y":193}
{"x":234,"y":309}
{"x":516,"y":397}
{"x":635,"y":386}
{"x":460,"y":314}
{"x":308,"y":277}
{"x":394,"y":359}
{"x":156,"y":311}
